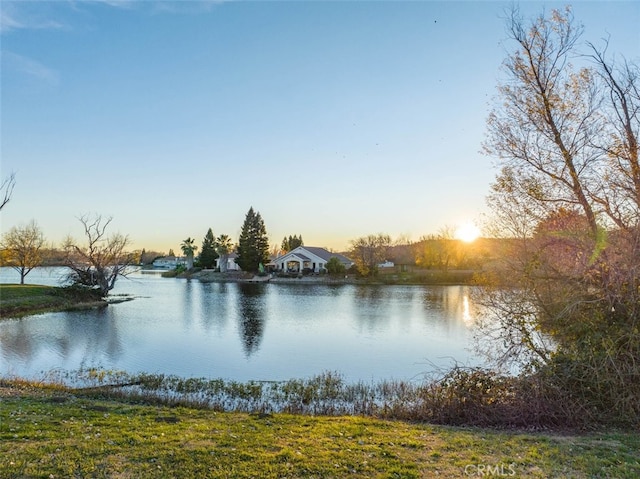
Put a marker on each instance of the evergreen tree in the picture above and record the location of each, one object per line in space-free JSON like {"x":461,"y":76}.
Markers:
{"x":208,"y":254}
{"x":291,"y":243}
{"x":253,"y":245}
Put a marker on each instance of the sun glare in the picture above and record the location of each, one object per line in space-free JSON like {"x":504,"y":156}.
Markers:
{"x":467,"y":232}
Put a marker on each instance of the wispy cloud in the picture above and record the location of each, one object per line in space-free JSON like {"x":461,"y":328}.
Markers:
{"x":7,"y":21}
{"x":187,"y":6}
{"x":30,"y":67}
{"x":26,"y":15}
{"x":17,"y":16}
{"x":119,"y":3}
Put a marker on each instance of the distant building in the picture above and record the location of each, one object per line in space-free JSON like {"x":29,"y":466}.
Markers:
{"x":231,"y":264}
{"x":402,"y":258}
{"x":168,"y":262}
{"x":309,"y":258}
{"x":387,"y":264}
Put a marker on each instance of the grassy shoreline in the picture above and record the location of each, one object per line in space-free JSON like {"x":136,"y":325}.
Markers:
{"x":59,"y":432}
{"x":17,"y":300}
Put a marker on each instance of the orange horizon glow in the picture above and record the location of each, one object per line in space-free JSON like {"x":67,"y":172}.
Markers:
{"x":467,"y":232}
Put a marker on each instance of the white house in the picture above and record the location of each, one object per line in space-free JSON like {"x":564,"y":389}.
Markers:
{"x":307,"y":257}
{"x":167,"y":262}
{"x":231,"y":263}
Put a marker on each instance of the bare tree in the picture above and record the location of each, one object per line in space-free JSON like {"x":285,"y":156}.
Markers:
{"x":544,"y":130}
{"x":23,"y":248}
{"x":102,"y":260}
{"x":618,"y":191}
{"x":568,"y":198}
{"x":369,"y":251}
{"x":567,"y":139}
{"x":6,"y":189}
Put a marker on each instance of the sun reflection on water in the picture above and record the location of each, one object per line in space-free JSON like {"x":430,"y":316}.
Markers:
{"x":466,"y":311}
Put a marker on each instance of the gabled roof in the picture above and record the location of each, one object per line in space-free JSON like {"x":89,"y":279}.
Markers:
{"x":316,"y":251}
{"x":325,"y":254}
{"x":301,"y":256}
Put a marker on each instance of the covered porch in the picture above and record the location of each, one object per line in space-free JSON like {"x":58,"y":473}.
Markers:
{"x":297,"y":263}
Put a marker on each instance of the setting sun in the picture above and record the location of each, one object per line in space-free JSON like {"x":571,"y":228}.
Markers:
{"x":467,"y":232}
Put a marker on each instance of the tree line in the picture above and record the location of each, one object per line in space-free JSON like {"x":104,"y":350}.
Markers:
{"x":103,"y":257}
{"x":252,"y":248}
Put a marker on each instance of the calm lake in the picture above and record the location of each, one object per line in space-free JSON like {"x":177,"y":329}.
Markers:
{"x":246,"y":331}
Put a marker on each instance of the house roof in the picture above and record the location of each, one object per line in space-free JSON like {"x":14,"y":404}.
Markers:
{"x":165,"y":258}
{"x":326,"y":255}
{"x":301,"y":256}
{"x":319,"y":252}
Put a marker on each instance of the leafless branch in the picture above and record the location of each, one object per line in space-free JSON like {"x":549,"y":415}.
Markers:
{"x":6,"y":189}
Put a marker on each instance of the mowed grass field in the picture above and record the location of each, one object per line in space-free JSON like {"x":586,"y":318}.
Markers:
{"x":52,"y":433}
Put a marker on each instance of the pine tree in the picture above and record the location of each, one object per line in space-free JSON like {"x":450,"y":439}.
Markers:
{"x":253,"y":245}
{"x":291,"y":243}
{"x":208,"y":254}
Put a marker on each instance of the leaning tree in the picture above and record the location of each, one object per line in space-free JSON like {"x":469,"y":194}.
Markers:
{"x":99,"y":261}
{"x":567,"y":198}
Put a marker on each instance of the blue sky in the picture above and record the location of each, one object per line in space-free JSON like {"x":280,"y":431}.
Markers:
{"x":333,"y":119}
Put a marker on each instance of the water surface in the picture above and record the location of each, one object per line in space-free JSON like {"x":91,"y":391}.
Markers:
{"x":247,"y":331}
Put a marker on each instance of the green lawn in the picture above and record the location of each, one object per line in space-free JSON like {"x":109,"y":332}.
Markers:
{"x":19,"y":300}
{"x":59,"y":435}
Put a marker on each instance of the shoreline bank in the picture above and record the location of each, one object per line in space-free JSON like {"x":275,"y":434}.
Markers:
{"x":453,"y":278}
{"x":19,"y":300}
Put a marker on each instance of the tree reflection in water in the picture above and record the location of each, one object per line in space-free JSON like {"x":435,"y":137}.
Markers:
{"x":251,"y":305}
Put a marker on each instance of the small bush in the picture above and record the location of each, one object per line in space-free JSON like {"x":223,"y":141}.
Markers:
{"x":79,"y":292}
{"x":172,"y":273}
